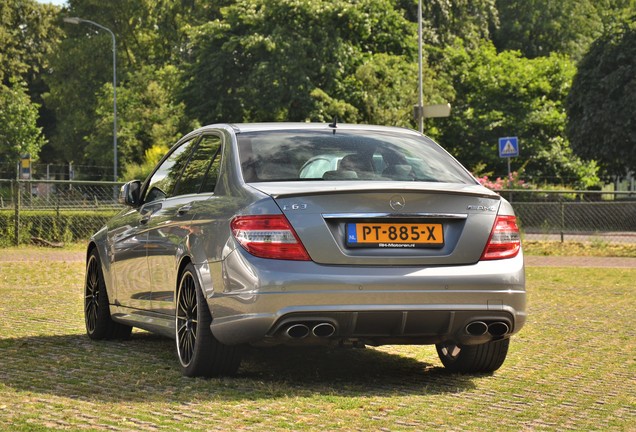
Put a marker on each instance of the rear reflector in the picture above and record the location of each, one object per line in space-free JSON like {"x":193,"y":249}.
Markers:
{"x":504,"y":241}
{"x":269,"y":236}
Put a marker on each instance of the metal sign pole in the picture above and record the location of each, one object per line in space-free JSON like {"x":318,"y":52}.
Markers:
{"x":509,"y":173}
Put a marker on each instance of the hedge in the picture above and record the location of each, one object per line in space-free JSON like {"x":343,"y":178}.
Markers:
{"x":55,"y":226}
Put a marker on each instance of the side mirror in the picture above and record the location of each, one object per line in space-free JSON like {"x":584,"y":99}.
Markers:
{"x":129,"y":193}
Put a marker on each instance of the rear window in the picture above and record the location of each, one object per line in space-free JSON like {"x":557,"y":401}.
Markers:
{"x":294,"y":155}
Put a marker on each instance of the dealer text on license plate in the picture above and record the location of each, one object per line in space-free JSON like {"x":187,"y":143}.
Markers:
{"x":395,"y":235}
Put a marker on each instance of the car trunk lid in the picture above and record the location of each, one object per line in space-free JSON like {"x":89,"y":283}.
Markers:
{"x":387,"y":223}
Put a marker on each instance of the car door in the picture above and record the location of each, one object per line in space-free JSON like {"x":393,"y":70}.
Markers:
{"x":169,"y":228}
{"x":128,"y":261}
{"x":131,"y":243}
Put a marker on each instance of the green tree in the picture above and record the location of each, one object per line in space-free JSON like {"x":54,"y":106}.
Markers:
{"x":504,"y":94}
{"x":387,"y":90}
{"x":246,"y":60}
{"x":541,"y":27}
{"x":19,"y":133}
{"x":600,"y":106}
{"x":613,"y":13}
{"x":287,"y":60}
{"x":384,"y":89}
{"x":149,"y":33}
{"x":445,"y":20}
{"x":28,"y":35}
{"x":149,"y":120}
{"x":468,"y":20}
{"x":80,"y":69}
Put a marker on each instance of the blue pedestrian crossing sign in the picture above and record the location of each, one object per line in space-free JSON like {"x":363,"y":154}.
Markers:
{"x":508,"y":147}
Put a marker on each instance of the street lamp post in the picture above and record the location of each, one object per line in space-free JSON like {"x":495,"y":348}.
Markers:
{"x":76,"y":21}
{"x":429,"y":111}
{"x":420,"y":114}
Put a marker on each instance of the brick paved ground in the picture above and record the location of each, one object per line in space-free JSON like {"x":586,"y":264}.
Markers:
{"x":570,"y":369}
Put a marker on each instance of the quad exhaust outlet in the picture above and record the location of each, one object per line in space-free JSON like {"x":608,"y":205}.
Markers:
{"x":480,"y":328}
{"x":301,"y":331}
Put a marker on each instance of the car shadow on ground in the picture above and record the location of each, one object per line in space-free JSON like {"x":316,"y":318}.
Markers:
{"x":145,"y":368}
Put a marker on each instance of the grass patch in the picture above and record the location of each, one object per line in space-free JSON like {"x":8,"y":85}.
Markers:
{"x":572,"y":367}
{"x":573,"y":248}
{"x":26,"y":249}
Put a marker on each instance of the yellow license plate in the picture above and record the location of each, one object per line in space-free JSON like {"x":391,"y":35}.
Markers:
{"x":395,"y":235}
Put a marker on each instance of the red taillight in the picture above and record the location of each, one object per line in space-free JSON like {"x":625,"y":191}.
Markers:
{"x":269,"y":236}
{"x":504,"y":241}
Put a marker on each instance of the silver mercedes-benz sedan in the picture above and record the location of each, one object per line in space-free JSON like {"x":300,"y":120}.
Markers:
{"x":265,"y":234}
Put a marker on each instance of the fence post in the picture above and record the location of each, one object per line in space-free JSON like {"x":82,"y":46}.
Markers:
{"x":562,"y":218}
{"x":16,"y":190}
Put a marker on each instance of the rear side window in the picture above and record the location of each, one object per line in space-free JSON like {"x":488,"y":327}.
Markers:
{"x":201,"y":171}
{"x":346,"y":155}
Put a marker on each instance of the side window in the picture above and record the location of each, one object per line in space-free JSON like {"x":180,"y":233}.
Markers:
{"x":164,"y":179}
{"x":202,"y":169}
{"x":212,"y":174}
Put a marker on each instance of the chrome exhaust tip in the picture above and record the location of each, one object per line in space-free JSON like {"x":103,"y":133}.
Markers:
{"x":498,"y":328}
{"x":323,"y":330}
{"x":297,"y":331}
{"x":477,"y":328}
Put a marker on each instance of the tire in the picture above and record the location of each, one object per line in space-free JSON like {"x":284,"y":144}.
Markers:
{"x":99,"y":324}
{"x":482,"y":358}
{"x":199,"y":352}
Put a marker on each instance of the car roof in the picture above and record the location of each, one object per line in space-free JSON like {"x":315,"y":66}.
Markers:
{"x":258,"y":127}
{"x":239,"y":128}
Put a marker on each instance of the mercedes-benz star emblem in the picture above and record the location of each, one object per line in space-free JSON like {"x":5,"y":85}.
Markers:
{"x":397,"y":202}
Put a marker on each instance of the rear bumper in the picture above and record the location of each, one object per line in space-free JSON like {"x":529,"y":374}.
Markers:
{"x":255,"y":300}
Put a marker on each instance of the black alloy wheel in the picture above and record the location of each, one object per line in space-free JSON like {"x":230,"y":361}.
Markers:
{"x":186,"y":319}
{"x":482,"y":358}
{"x":199,"y":352}
{"x":91,"y":295}
{"x":99,"y":324}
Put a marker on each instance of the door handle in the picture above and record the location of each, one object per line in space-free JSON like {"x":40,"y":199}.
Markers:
{"x":183,"y":210}
{"x":147,"y":211}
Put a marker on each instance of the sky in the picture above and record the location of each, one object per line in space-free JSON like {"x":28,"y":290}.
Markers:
{"x":55,"y":2}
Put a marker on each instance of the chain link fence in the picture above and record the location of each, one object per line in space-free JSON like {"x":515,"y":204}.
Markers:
{"x":54,"y":211}
{"x":42,"y":171}
{"x":575,"y":215}
{"x":64,"y":211}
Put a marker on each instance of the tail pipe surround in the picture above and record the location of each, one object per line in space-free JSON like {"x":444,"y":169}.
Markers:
{"x":297,"y":331}
{"x":302,"y":330}
{"x":477,"y":328}
{"x":480,"y":328}
{"x":323,"y":330}
{"x":498,"y":328}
